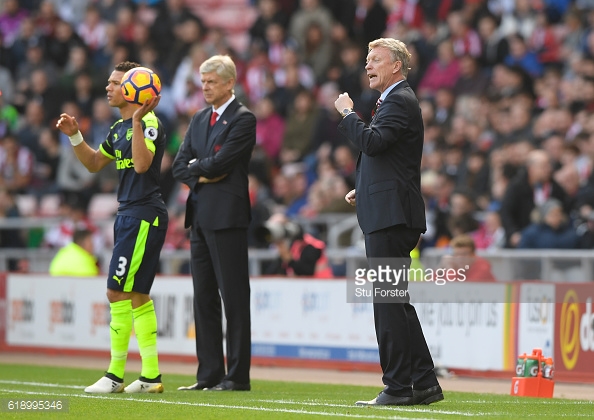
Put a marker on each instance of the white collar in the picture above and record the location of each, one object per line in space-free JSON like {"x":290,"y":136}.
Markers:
{"x":223,"y":107}
{"x":385,"y":92}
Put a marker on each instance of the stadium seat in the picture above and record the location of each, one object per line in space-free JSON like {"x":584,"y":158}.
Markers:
{"x":49,"y":205}
{"x":27,"y":204}
{"x":103,"y":206}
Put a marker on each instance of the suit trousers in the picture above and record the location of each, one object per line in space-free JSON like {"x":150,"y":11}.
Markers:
{"x":404,"y":355}
{"x":220,"y":270}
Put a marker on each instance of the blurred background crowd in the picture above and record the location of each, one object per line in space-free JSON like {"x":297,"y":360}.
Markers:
{"x":506,"y":89}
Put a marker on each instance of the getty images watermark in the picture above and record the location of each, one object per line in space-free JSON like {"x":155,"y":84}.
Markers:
{"x":387,"y":280}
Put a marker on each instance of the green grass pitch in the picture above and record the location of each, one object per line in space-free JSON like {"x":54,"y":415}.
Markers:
{"x":267,"y":400}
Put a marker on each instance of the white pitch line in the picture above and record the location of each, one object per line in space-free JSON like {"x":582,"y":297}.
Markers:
{"x":232,"y":407}
{"x":398,"y":408}
{"x":44,"y":384}
{"x":553,"y":401}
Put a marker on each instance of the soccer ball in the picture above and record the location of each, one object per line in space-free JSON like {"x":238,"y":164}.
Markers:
{"x":140,"y":84}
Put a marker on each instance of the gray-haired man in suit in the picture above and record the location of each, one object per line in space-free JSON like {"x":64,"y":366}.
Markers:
{"x":213,"y":161}
{"x":391,"y":214}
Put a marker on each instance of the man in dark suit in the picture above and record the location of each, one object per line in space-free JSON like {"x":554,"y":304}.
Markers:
{"x":391,"y":214}
{"x":213,"y":162}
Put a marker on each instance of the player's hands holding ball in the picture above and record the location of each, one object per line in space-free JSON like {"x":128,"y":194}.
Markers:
{"x":148,"y":105}
{"x":67,"y":124}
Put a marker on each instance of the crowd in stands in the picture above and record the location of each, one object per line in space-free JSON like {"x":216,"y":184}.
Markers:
{"x":506,"y":90}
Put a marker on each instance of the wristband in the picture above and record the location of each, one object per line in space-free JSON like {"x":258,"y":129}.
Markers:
{"x":76,"y":139}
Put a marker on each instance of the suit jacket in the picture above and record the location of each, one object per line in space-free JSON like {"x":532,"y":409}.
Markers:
{"x":225,"y":148}
{"x":388,"y":176}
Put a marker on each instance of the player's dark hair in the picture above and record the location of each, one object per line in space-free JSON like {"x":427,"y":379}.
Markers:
{"x":126,"y":65}
{"x":80,"y":235}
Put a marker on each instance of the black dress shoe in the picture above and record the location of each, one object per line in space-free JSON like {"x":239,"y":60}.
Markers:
{"x":427,"y":396}
{"x":386,"y":399}
{"x":198,"y":386}
{"x":230,"y":386}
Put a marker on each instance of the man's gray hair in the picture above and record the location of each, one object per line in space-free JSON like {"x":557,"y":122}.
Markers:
{"x":222,"y":65}
{"x":397,"y":49}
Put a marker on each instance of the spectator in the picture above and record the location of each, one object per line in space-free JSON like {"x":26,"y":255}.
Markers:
{"x":494,"y":46}
{"x":473,"y":80}
{"x":529,"y":189}
{"x":80,"y":250}
{"x":370,"y":22}
{"x":73,"y":178}
{"x":32,"y":124}
{"x":58,"y":47}
{"x":172,"y":16}
{"x":403,"y":12}
{"x":46,"y":19}
{"x":292,"y":67}
{"x":84,"y":120}
{"x":326,"y":194}
{"x":84,"y":92}
{"x":317,"y":52}
{"x":298,"y":187}
{"x":490,"y":235}
{"x":16,"y":165}
{"x":93,"y":29}
{"x":71,"y":11}
{"x":476,"y":178}
{"x":549,"y":229}
{"x":187,"y":33}
{"x":46,"y":167}
{"x":78,"y":63}
{"x":544,"y":40}
{"x":299,"y":128}
{"x":11,"y":238}
{"x":520,"y":20}
{"x":351,"y":69}
{"x":465,"y":40}
{"x":186,"y":86}
{"x":444,"y":106}
{"x":277,"y":43}
{"x":443,"y":72}
{"x":325,"y":132}
{"x":11,"y":19}
{"x":269,"y":13}
{"x":346,"y":164}
{"x":309,"y":11}
{"x":28,"y":36}
{"x":270,"y":128}
{"x":439,"y":207}
{"x":261,"y":208}
{"x":74,"y":216}
{"x":572,"y":33}
{"x":101,"y":121}
{"x":124,"y":22}
{"x":463,"y":258}
{"x":9,"y":116}
{"x":521,"y":55}
{"x":38,"y":88}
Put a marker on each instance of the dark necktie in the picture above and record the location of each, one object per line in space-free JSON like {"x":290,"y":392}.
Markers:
{"x":213,"y":118}
{"x":377,"y":105}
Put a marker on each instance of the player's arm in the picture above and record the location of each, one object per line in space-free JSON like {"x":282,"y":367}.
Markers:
{"x":92,"y":159}
{"x":141,"y":154}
